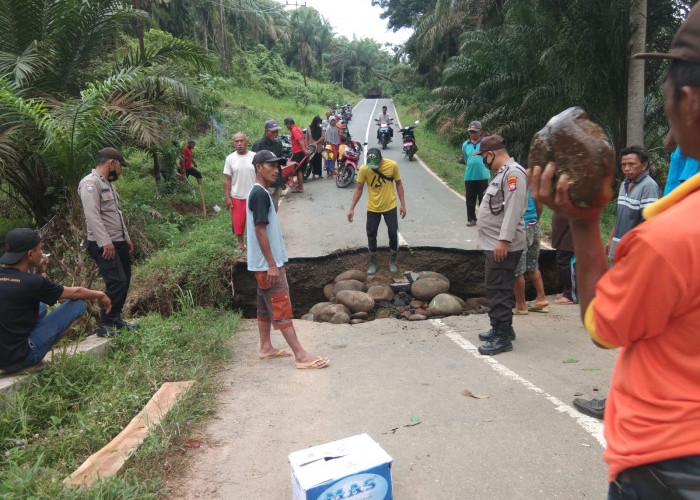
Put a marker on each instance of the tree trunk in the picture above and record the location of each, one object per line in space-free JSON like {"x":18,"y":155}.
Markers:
{"x":205,"y":34}
{"x":139,"y":28}
{"x":156,"y":166}
{"x":635,"y":75}
{"x":224,"y":59}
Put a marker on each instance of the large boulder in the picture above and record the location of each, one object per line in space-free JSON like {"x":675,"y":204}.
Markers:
{"x":328,"y":291}
{"x":381,"y":293}
{"x":445,"y":304}
{"x":318,"y":307}
{"x":348,"y":285}
{"x":327,"y":313}
{"x":461,"y":301}
{"x":340,"y":318}
{"x":351,"y":274}
{"x":426,"y":288}
{"x":355,"y":300}
{"x":432,"y":274}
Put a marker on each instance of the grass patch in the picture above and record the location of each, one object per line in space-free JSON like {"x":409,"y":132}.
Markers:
{"x":62,"y":415}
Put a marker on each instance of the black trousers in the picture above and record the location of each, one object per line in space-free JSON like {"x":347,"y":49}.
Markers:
{"x":474,"y":190}
{"x":116,"y":274}
{"x":392,"y":225}
{"x":564,"y":265}
{"x":500,"y":277}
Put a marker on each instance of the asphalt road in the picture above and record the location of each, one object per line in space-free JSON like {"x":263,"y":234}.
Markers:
{"x":436,"y":215}
{"x":402,"y":382}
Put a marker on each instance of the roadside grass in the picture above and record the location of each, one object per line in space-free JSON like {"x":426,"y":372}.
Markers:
{"x":62,"y":415}
{"x":448,"y":163}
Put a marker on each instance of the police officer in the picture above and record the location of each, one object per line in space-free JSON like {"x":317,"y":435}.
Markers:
{"x":502,"y":239}
{"x":108,"y":241}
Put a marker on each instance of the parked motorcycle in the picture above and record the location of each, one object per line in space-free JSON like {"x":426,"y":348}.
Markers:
{"x":383,"y":133}
{"x":347,"y":168}
{"x":409,"y":141}
{"x":346,"y":112}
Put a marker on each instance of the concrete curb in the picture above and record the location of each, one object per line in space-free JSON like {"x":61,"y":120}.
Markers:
{"x":93,"y":345}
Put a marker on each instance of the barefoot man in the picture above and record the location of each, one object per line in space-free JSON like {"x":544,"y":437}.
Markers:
{"x":266,"y":257}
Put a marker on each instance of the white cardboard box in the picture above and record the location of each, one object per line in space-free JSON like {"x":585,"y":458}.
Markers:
{"x":354,"y":467}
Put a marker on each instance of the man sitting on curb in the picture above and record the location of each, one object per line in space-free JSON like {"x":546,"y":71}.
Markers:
{"x":27,"y":332}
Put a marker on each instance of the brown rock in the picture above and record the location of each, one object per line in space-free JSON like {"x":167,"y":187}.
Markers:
{"x":328,"y":291}
{"x":327,"y":313}
{"x":432,"y":274}
{"x":340,"y":318}
{"x":381,"y":293}
{"x":348,"y":285}
{"x":445,"y":304}
{"x":461,"y":301}
{"x":423,"y":311}
{"x":476,"y":304}
{"x":406,"y":314}
{"x":359,"y":315}
{"x":355,"y":300}
{"x":356,"y":321}
{"x":580,"y":149}
{"x":416,"y":317}
{"x":426,"y":288}
{"x":383,"y":313}
{"x":351,"y":274}
{"x":317,"y":307}
{"x":416,"y":304}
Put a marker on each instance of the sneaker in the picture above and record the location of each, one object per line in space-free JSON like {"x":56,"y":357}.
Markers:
{"x":471,"y":223}
{"x":593,"y":408}
{"x":106,"y":330}
{"x":120,"y":323}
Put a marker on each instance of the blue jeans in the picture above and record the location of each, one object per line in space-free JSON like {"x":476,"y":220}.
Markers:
{"x":48,"y":330}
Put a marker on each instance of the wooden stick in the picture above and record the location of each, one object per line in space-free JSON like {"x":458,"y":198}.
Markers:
{"x":110,"y":459}
{"x":204,"y":207}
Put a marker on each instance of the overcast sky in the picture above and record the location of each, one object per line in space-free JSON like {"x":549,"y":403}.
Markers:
{"x":356,"y":17}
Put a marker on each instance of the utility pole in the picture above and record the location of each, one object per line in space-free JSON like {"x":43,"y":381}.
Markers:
{"x":635,"y":73}
{"x":296,"y":6}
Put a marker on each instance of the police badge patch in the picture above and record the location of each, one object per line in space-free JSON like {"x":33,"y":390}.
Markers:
{"x":512,"y":183}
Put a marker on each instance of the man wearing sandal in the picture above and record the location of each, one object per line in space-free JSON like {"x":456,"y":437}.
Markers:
{"x":266,"y":258}
{"x":529,"y":263}
{"x":27,"y":332}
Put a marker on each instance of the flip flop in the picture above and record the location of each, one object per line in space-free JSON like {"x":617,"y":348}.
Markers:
{"x":518,"y":313}
{"x":280,"y":353}
{"x":317,"y":363}
{"x":536,"y":310}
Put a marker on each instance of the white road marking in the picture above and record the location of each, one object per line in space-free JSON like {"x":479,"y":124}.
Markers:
{"x":590,"y":425}
{"x":369,"y":125}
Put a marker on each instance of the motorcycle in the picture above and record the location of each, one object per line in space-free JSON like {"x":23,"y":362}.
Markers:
{"x":346,"y":112}
{"x":347,"y":168}
{"x":384,"y":134}
{"x":409,"y":141}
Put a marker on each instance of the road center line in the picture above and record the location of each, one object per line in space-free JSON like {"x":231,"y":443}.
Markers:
{"x":589,"y":424}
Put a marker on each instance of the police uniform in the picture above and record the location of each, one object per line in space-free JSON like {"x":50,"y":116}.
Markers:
{"x":105,"y":225}
{"x":501,"y":218}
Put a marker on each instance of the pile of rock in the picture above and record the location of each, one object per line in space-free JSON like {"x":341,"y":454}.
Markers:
{"x":355,"y":297}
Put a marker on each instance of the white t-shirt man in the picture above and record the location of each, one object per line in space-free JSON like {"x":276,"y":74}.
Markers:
{"x":242,"y":171}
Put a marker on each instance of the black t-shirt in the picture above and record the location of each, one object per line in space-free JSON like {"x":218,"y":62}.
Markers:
{"x":259,"y":204}
{"x":20,"y":294}
{"x":275,"y":147}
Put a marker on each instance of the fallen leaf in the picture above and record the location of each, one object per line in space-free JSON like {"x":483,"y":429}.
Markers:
{"x":571,"y":361}
{"x":470,"y":394}
{"x":194,"y":443}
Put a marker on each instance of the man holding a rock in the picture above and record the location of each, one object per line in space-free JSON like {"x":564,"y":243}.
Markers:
{"x":502,"y":239}
{"x":266,"y":258}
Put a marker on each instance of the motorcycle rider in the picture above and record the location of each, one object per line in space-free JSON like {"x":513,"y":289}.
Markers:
{"x":385,"y":118}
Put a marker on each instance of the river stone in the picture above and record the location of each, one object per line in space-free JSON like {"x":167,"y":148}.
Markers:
{"x":328,"y":291}
{"x":351,"y":274}
{"x":317,"y":307}
{"x":427,"y":288}
{"x":579,"y":148}
{"x":356,"y":321}
{"x":325,"y":314}
{"x":416,"y":317}
{"x":416,"y":304}
{"x":340,"y":318}
{"x":445,"y":304}
{"x":384,"y":313}
{"x":461,"y":301}
{"x":381,"y":293}
{"x":424,"y":312}
{"x":308,"y":317}
{"x":348,"y":285}
{"x":432,"y":274}
{"x":355,"y":300}
{"x":359,"y":315}
{"x":476,"y":305}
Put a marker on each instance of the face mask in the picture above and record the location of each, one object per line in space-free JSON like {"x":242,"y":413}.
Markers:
{"x":112,"y":175}
{"x":489,"y":164}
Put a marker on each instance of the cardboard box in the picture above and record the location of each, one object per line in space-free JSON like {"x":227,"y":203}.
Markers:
{"x":354,"y":467}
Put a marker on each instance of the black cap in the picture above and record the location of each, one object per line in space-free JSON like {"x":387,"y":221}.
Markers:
{"x":17,"y":243}
{"x":264,"y":156}
{"x":289,"y":120}
{"x":113,"y":154}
